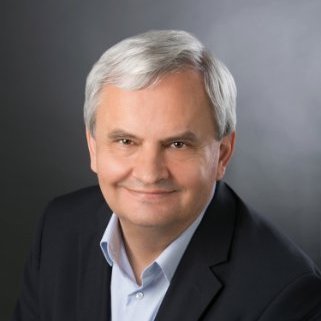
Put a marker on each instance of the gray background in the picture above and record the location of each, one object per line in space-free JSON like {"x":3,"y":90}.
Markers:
{"x":273,"y":49}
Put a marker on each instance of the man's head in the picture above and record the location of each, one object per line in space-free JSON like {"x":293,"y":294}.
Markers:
{"x":157,"y":141}
{"x":141,"y":61}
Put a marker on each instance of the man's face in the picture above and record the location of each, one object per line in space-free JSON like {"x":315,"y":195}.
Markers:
{"x":155,"y":152}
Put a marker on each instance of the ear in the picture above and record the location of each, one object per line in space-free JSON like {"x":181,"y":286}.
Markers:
{"x":226,"y":151}
{"x":91,"y":142}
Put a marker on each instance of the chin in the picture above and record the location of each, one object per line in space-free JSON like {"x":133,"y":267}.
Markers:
{"x":149,"y":218}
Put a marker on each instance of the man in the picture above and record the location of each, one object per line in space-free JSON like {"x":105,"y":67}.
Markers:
{"x":162,"y":238}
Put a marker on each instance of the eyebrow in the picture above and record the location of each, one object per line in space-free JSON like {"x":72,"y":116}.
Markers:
{"x":119,"y":133}
{"x":187,"y":136}
{"x":184,"y":136}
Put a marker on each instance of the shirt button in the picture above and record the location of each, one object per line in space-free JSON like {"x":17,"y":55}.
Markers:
{"x":139,"y":295}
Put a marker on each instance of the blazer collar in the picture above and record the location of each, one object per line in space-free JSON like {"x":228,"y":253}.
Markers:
{"x":194,"y":285}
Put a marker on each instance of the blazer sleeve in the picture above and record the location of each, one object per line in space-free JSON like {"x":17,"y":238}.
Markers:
{"x":27,"y":306}
{"x":300,"y":300}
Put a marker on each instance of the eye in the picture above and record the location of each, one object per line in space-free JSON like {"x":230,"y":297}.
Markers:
{"x":125,"y":141}
{"x":178,"y":145}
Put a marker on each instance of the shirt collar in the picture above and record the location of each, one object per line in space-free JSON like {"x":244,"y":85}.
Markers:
{"x":111,"y":242}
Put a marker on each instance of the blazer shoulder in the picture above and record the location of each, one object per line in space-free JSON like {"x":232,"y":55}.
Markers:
{"x":82,"y":199}
{"x":83,"y":206}
{"x":83,"y":195}
{"x":267,"y":254}
{"x":264,"y":271}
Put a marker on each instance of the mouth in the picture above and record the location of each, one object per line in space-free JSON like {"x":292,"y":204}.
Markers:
{"x":150,"y":194}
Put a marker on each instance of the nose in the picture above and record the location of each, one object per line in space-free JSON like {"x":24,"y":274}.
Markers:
{"x":150,"y":165}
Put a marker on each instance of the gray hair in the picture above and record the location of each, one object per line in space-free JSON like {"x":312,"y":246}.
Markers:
{"x":140,"y":61}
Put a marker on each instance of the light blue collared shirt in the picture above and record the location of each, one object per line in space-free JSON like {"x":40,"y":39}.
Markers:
{"x":130,"y":301}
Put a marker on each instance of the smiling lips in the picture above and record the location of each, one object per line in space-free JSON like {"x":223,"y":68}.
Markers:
{"x":150,"y":194}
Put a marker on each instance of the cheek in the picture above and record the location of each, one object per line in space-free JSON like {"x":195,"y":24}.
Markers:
{"x":195,"y":174}
{"x":111,"y":169}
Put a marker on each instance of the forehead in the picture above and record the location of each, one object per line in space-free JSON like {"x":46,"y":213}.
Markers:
{"x":179,"y":100}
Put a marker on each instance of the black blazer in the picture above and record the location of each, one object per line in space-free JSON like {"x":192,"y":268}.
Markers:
{"x":236,"y":267}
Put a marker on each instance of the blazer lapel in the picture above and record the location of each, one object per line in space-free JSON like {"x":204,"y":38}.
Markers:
{"x":189,"y":294}
{"x":195,"y":285}
{"x":94,"y":272}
